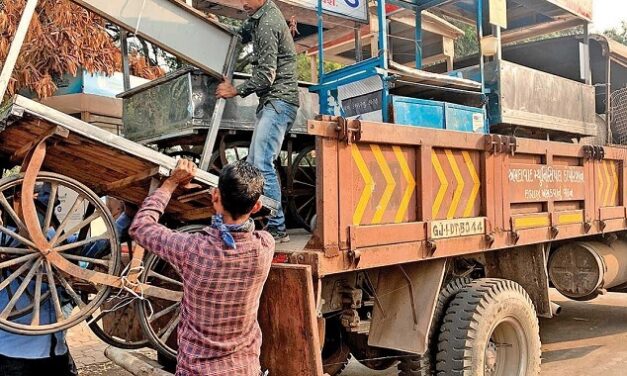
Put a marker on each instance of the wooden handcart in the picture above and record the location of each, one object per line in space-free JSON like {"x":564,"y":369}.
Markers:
{"x":41,"y":265}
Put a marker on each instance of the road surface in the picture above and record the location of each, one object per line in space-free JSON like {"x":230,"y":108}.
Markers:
{"x":587,"y":339}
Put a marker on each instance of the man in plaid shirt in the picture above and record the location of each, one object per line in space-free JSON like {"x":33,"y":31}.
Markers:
{"x":224,"y":268}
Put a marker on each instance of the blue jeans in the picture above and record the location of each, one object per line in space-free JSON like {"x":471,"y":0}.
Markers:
{"x":273,"y":121}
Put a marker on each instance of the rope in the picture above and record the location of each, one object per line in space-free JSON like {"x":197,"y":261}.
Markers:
{"x":128,"y":288}
{"x":139,"y":18}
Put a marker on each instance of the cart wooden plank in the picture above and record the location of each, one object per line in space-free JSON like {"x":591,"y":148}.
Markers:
{"x":99,"y":159}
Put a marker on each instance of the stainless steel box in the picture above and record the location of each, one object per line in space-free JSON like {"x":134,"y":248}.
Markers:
{"x":182,"y":103}
{"x":525,"y":99}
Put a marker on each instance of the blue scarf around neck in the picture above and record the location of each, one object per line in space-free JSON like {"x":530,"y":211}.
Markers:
{"x":225,"y":230}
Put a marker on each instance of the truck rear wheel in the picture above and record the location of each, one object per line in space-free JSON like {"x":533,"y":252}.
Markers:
{"x":490,"y":329}
{"x":425,"y":365}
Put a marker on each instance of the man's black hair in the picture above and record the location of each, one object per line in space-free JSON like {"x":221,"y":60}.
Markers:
{"x":241,"y":185}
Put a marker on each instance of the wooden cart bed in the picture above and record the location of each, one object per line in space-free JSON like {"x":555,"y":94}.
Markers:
{"x":108,"y":164}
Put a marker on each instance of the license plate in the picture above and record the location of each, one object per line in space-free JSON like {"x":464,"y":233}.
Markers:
{"x":457,"y":227}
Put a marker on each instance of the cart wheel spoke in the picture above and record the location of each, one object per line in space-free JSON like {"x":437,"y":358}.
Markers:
{"x":152,"y":273}
{"x":78,"y":227}
{"x":70,"y":290}
{"x":18,"y":260}
{"x":172,"y":324}
{"x":50,"y":208}
{"x":86,"y":259}
{"x":53,"y":291}
{"x":37,"y":299}
{"x":65,"y":247}
{"x":77,"y":203}
{"x":305,"y":183}
{"x":17,"y":237}
{"x":306,"y":203}
{"x":12,"y":213}
{"x":306,"y":174}
{"x":9,"y":307}
{"x":16,"y":251}
{"x":18,"y":272}
{"x":164,"y":312}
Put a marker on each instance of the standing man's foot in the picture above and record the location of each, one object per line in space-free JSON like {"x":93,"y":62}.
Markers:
{"x":280,"y":236}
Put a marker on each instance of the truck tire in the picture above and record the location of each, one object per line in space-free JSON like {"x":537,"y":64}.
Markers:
{"x":490,"y":329}
{"x":425,"y":365}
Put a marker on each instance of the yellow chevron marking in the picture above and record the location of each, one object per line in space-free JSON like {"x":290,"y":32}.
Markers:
{"x":452,"y":210}
{"x":435,"y":209}
{"x":614,"y":172}
{"x":564,"y":219}
{"x":389,"y":187}
{"x":601,"y":182}
{"x":476,"y":184}
{"x":411,"y":184}
{"x":366,"y":194}
{"x":530,"y":222}
{"x":607,"y":185}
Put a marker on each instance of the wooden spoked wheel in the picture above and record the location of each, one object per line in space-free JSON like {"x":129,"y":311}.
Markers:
{"x":301,"y":186}
{"x":159,"y":318}
{"x":30,"y":285}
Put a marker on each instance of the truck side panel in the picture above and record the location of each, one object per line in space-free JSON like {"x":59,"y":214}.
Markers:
{"x":409,"y":193}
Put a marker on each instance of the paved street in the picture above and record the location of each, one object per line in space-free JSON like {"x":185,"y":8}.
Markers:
{"x":587,"y":339}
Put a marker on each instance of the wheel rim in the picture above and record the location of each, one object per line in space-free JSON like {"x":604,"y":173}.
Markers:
{"x":506,"y":351}
{"x":36,"y":283}
{"x":302,"y":187}
{"x":115,"y":331}
{"x":159,"y":318}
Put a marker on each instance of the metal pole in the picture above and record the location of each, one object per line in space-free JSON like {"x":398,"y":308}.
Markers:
{"x":216,"y":117}
{"x":126,"y":69}
{"x":496,"y":30}
{"x":383,"y":34}
{"x":418,"y":39}
{"x":16,"y":46}
{"x":586,"y":60}
{"x":320,"y":43}
{"x":608,"y":100}
{"x":480,"y":36}
{"x":358,"y":47}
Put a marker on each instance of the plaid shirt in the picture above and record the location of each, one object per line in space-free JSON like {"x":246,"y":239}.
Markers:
{"x":218,"y":334}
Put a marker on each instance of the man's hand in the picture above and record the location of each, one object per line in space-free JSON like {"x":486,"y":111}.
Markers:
{"x":182,"y":175}
{"x":226,"y":89}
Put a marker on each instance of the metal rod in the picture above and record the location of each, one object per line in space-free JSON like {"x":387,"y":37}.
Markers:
{"x":608,"y":100}
{"x":418,"y":40}
{"x":383,"y":34}
{"x":216,"y":117}
{"x":358,"y":48}
{"x":462,"y":91}
{"x":320,"y":43}
{"x":586,"y":60}
{"x":479,"y":37}
{"x":16,"y":46}
{"x":126,"y":68}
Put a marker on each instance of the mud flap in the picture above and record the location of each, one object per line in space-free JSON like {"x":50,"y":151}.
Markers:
{"x":288,"y":320}
{"x":405,"y":300}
